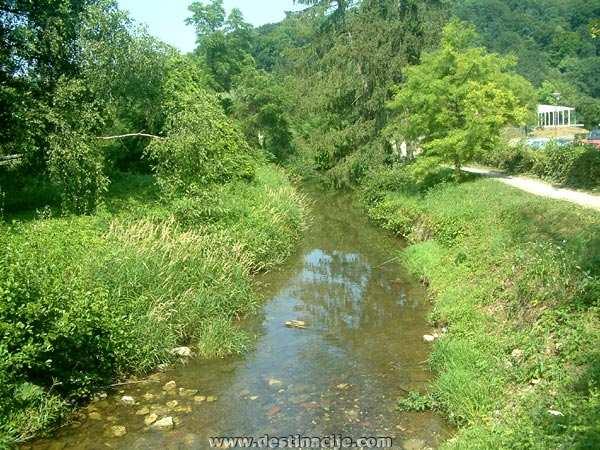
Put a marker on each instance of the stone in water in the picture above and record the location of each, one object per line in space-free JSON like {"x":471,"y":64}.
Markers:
{"x":118,"y":431}
{"x":170,"y":386}
{"x":128,"y":400}
{"x":184,"y":352}
{"x":296,"y":324}
{"x":166,"y":423}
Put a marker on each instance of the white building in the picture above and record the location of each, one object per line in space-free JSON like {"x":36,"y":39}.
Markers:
{"x":550,"y":116}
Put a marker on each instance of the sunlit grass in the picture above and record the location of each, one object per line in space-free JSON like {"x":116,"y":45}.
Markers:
{"x":516,"y":280}
{"x":87,"y":299}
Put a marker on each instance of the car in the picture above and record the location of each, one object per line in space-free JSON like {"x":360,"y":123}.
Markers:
{"x":593,"y":138}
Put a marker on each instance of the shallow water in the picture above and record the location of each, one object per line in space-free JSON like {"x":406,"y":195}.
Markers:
{"x":361,"y":350}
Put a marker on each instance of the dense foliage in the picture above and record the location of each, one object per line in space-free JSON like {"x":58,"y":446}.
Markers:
{"x":576,"y":165}
{"x":456,"y":102}
{"x":345,"y":61}
{"x":85,"y":300}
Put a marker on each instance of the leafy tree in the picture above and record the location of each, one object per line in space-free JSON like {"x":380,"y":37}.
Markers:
{"x":455,"y":103}
{"x":202,"y":146}
{"x":344,"y":79}
{"x":224,"y":42}
{"x":261,"y":104}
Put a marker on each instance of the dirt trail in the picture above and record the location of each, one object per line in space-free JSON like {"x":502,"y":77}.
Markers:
{"x":541,"y":188}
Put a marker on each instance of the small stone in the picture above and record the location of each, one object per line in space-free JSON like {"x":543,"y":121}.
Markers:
{"x":184,"y":352}
{"x":150,"y":419}
{"x":170,"y":386}
{"x":199,"y":398}
{"x":428,"y":338}
{"x":172,"y":404}
{"x":253,"y":397}
{"x":517,"y":353}
{"x":274,"y":382}
{"x":352,"y":413}
{"x":164,"y":424}
{"x":187,"y":392}
{"x":296,"y":324}
{"x":554,"y":412}
{"x":128,"y":400}
{"x":94,"y":415}
{"x":143,"y":411}
{"x":211,"y":398}
{"x":118,"y":430}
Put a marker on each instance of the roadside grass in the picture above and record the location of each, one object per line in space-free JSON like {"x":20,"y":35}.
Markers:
{"x":516,"y":281}
{"x":85,"y":300}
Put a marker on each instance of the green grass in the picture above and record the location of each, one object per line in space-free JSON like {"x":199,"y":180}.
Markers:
{"x":516,"y":280}
{"x":85,"y":300}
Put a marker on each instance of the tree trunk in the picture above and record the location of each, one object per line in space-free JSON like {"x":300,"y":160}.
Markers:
{"x":457,"y":169}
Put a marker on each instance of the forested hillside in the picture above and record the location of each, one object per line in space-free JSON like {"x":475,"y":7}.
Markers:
{"x":554,"y":43}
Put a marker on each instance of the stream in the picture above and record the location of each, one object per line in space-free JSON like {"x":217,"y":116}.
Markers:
{"x":362,"y":348}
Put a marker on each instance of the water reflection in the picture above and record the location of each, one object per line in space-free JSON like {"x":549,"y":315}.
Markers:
{"x":342,"y":374}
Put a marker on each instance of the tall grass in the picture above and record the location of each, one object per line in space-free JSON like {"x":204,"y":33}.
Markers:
{"x":86,"y":300}
{"x":516,"y":280}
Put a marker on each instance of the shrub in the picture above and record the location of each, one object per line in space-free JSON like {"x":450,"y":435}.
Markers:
{"x":575,"y":165}
{"x":202,"y":147}
{"x":77,"y":169}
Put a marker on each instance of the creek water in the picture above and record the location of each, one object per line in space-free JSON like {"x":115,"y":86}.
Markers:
{"x":362,"y":348}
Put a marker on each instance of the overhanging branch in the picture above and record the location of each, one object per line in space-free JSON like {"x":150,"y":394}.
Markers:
{"x":121,"y":136}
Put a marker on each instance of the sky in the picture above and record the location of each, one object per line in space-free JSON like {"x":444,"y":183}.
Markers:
{"x":165,"y":18}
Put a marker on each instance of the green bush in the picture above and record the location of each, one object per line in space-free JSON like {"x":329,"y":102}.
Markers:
{"x":202,"y":147}
{"x":77,"y":169}
{"x":575,"y":165}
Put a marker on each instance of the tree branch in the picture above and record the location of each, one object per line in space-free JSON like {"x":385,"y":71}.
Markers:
{"x":121,"y":136}
{"x":10,"y":157}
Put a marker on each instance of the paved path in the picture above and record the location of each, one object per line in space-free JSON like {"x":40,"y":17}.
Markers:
{"x":541,"y":188}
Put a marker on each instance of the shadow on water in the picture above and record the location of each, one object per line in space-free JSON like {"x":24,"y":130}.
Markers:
{"x":362,"y":347}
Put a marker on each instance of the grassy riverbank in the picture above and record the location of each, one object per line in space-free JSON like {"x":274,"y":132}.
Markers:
{"x":516,"y":281}
{"x":86,"y":300}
